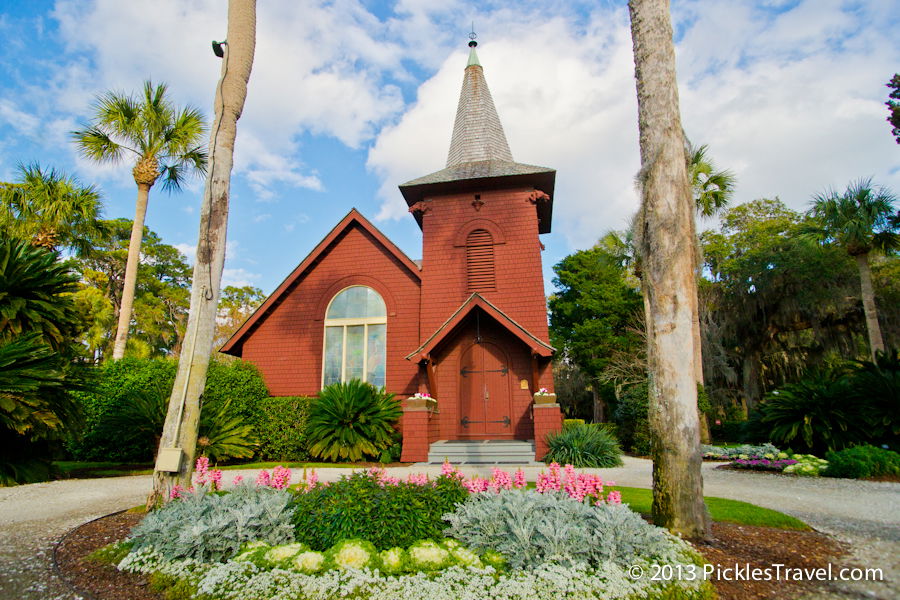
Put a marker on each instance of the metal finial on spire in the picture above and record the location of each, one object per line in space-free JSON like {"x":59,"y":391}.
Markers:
{"x":472,"y":36}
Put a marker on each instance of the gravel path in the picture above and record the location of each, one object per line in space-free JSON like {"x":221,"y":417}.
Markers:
{"x":863,"y":514}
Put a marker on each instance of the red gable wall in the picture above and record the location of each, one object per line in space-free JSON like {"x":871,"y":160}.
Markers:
{"x":286,"y":344}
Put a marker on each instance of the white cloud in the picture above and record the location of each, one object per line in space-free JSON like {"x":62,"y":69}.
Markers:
{"x":317,"y":68}
{"x":790,"y":97}
{"x":239,"y":277}
{"x":189,"y":251}
{"x":20,"y":121}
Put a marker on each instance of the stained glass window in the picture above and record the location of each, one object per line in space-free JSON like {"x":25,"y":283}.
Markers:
{"x":355,"y":337}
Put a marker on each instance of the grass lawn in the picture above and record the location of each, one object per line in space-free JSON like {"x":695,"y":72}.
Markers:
{"x":720,"y":509}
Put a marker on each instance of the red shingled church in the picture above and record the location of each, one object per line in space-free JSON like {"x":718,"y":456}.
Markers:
{"x":467,"y":324}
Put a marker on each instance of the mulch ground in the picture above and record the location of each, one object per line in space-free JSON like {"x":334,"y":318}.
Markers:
{"x":733,"y":544}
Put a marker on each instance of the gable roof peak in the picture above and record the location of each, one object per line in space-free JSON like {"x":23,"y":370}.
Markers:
{"x":477,"y":132}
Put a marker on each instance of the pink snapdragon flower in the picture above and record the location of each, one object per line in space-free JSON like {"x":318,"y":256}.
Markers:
{"x":238,"y":480}
{"x":215,"y":479}
{"x":263,"y":479}
{"x":519,"y":480}
{"x":201,"y":470}
{"x":614,"y":497}
{"x":500,"y":480}
{"x":177,"y":492}
{"x":281,"y":477}
{"x":418,"y":479}
{"x":476,"y":485}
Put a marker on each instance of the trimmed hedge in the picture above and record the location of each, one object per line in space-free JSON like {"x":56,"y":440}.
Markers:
{"x":281,"y":428}
{"x":118,"y":381}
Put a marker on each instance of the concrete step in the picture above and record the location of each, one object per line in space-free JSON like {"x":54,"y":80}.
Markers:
{"x":461,"y":452}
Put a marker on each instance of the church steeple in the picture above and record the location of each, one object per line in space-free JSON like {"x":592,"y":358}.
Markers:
{"x":477,"y":132}
{"x":479,"y":157}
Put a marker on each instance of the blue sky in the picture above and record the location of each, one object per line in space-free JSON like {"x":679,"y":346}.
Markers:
{"x":349,"y":98}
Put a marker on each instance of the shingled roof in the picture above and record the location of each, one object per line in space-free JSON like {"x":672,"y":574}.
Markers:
{"x":479,"y":154}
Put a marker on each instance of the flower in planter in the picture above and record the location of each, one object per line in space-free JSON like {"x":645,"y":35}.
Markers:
{"x":543,"y":392}
{"x":422,"y":396}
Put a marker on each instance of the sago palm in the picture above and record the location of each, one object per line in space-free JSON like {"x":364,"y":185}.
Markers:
{"x":51,"y":209}
{"x":862,"y":220}
{"x":164,"y":142}
{"x":350,"y":420}
{"x":35,"y":293}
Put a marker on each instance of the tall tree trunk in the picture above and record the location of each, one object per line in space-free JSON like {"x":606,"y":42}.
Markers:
{"x":670,"y":288}
{"x":876,"y":344}
{"x":599,"y":404}
{"x":751,"y":373}
{"x":183,"y":417}
{"x":698,"y":354}
{"x":131,"y":271}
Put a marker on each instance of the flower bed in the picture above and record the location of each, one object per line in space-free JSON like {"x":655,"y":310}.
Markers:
{"x":564,"y":539}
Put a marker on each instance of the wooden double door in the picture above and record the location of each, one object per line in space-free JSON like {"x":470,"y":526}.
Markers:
{"x":485,"y":392}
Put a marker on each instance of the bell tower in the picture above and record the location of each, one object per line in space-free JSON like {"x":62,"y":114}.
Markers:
{"x":481,"y":217}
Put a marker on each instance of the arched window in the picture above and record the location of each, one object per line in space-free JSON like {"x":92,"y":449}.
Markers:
{"x":355,"y":336}
{"x":480,"y":261}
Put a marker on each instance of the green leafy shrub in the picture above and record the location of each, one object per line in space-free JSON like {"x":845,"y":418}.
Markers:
{"x":861,"y":462}
{"x":529,"y":528}
{"x":630,"y":416}
{"x":351,"y":420}
{"x":366,"y":506}
{"x":573,"y":422}
{"x":213,"y":527}
{"x":584,"y":446}
{"x":126,"y":408}
{"x":281,"y":428}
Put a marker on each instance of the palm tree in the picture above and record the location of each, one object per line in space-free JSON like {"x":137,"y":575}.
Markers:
{"x":51,"y":209}
{"x":862,"y":220}
{"x":165,"y":142}
{"x":712,"y":189}
{"x":666,"y":236}
{"x":183,"y":417}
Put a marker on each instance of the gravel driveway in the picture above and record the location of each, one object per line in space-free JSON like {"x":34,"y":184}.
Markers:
{"x":863,"y":514}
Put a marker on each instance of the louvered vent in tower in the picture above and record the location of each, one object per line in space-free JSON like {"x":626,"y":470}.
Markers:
{"x":480,"y":261}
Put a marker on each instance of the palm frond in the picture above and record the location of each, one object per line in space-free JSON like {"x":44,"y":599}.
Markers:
{"x":97,"y":145}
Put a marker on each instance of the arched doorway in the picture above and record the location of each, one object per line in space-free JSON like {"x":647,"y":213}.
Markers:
{"x":484,"y":392}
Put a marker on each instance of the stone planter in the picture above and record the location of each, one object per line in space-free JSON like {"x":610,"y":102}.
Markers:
{"x":540,"y":399}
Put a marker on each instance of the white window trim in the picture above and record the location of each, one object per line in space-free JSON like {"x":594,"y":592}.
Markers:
{"x":344,"y":323}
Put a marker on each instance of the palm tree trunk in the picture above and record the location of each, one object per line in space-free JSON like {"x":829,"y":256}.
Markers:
{"x":670,"y":288}
{"x":183,"y":417}
{"x":131,"y":271}
{"x":868,"y":297}
{"x":698,"y":360}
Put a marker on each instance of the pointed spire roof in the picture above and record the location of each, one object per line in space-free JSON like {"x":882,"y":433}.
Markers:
{"x":479,"y":157}
{"x":477,"y":132}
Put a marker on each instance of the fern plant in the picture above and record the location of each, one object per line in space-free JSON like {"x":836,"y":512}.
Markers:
{"x":351,"y":420}
{"x":212,"y":527}
{"x":529,"y":528}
